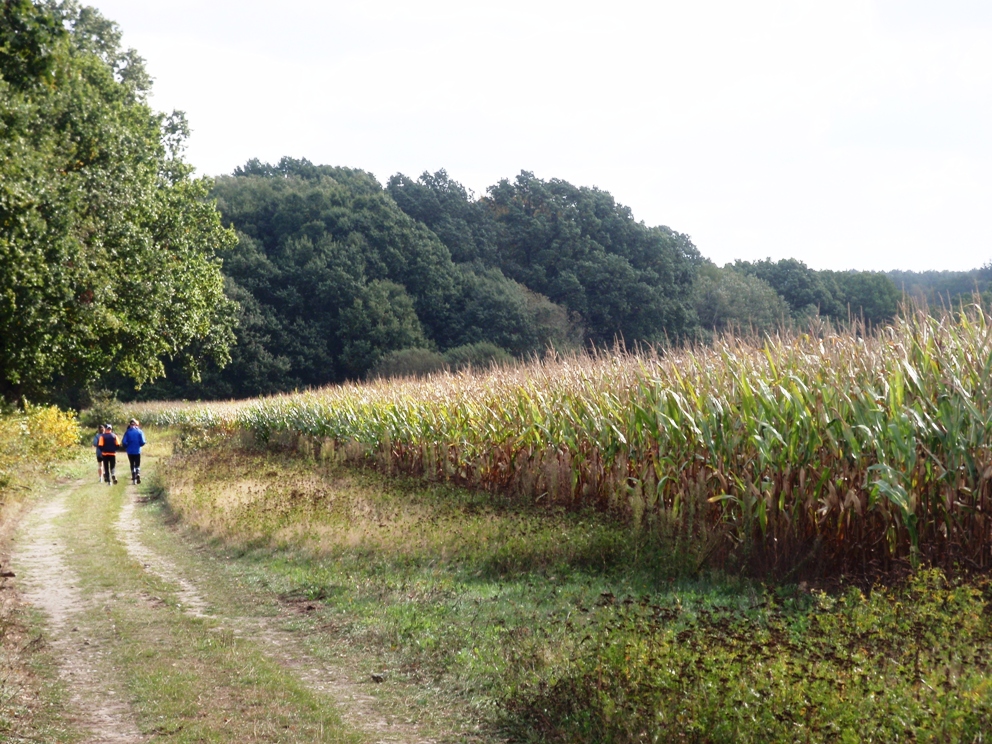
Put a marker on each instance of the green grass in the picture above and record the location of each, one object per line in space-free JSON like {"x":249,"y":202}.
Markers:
{"x":543,"y":624}
{"x":189,"y":679}
{"x":33,"y":700}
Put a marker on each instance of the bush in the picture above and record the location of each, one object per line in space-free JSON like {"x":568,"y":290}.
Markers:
{"x":905,"y":664}
{"x":480,"y":355}
{"x":408,"y":363}
{"x":105,"y":409}
{"x":39,"y":435}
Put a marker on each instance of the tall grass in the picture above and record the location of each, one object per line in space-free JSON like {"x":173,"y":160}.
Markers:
{"x":814,"y":451}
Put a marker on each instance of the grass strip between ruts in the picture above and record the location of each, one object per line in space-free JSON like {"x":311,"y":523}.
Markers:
{"x":188,"y":678}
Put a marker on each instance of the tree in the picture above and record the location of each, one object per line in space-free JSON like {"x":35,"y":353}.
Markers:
{"x":803,"y":288}
{"x":575,"y":247}
{"x":582,"y":250}
{"x":870,"y":295}
{"x":109,"y":249}
{"x":381,"y":321}
{"x":943,"y":288}
{"x":464,"y":224}
{"x":728,"y":300}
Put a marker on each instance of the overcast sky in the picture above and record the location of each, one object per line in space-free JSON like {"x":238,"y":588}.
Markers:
{"x":848,"y":134}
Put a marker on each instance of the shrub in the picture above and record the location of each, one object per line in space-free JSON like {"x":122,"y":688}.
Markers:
{"x":479,"y":356}
{"x":905,"y":664}
{"x":408,"y":363}
{"x":38,"y":435}
{"x":104,"y":409}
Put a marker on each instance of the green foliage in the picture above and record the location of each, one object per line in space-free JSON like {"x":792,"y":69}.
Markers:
{"x":37,"y":437}
{"x":332,"y":277}
{"x":104,"y":408}
{"x":491,"y":308}
{"x":464,"y":224}
{"x":478,"y":356}
{"x":576,"y":246}
{"x":408,"y":363}
{"x":108,"y":248}
{"x":423,"y":362}
{"x":802,"y":288}
{"x":382,"y":320}
{"x":337,"y":276}
{"x":904,"y":664}
{"x":939,"y":289}
{"x":840,"y":295}
{"x":867,"y":295}
{"x":729,"y":300}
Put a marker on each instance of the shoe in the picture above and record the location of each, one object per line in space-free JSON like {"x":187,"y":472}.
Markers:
{"x":115,"y":479}
{"x":137,"y":479}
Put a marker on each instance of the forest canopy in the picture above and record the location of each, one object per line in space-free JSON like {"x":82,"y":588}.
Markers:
{"x":339,"y":277}
{"x":335,"y":273}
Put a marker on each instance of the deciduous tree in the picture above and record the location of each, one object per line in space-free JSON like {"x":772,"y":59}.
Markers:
{"x":108,"y":246}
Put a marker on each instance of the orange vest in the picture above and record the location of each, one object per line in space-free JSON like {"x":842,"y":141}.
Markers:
{"x":108,"y":444}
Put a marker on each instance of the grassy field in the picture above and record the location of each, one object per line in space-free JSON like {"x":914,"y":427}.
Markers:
{"x":531,"y":622}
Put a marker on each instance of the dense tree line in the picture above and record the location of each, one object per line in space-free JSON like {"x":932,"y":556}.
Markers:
{"x":945,"y":288}
{"x":576,"y":246}
{"x":338,"y":277}
{"x":335,"y":275}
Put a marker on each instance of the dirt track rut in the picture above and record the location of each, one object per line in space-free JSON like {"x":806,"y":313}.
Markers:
{"x":49,"y":583}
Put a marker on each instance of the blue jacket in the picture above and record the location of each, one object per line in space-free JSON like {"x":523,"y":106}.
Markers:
{"x":133,"y":440}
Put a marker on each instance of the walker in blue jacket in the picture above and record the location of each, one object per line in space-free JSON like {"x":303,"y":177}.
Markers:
{"x":132,"y":441}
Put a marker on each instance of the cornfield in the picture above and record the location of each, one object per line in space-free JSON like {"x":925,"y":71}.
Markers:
{"x":840,"y":451}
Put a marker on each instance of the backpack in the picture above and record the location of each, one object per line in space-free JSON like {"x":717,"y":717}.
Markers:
{"x":109,"y":446}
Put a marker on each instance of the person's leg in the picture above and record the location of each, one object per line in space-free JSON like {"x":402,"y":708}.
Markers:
{"x":133,"y":460}
{"x":113,"y":472}
{"x":137,"y":468}
{"x":99,"y":468}
{"x":106,"y":469}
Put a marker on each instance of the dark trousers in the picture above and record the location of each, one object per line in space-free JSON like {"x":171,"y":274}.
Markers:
{"x":135,"y":461}
{"x":109,"y":463}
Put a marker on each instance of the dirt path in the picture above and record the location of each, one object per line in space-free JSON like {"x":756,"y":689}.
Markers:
{"x":129,"y":530}
{"x":357,"y":707}
{"x":110,"y":602}
{"x":49,"y":584}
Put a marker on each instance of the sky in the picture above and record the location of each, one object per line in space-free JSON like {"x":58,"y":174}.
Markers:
{"x":851,"y":134}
